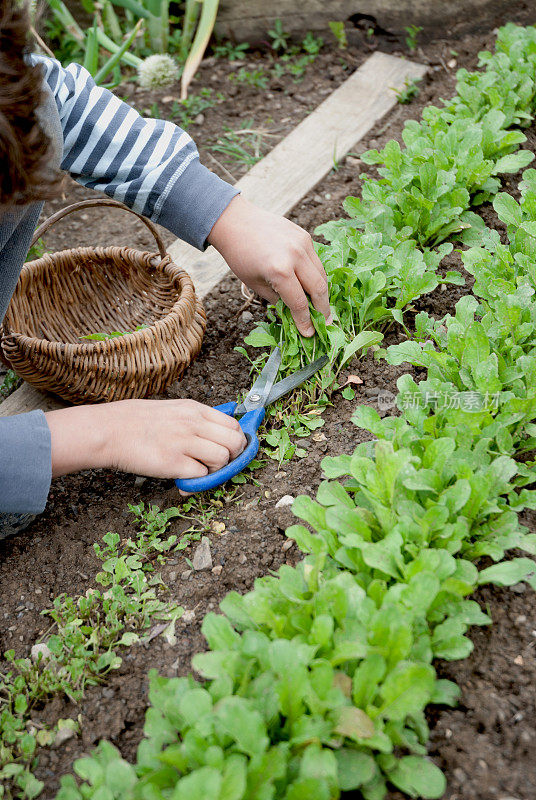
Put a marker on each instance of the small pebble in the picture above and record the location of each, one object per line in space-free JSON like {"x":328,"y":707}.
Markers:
{"x":63,"y":735}
{"x":139,"y":481}
{"x":443,"y":287}
{"x":172,"y":576}
{"x":217,"y":569}
{"x":186,"y":574}
{"x":287,"y":545}
{"x":286,"y":500}
{"x":519,"y":588}
{"x":521,"y":619}
{"x":460,"y":775}
{"x":218,"y":527}
{"x":40,"y":649}
{"x":202,"y":557}
{"x":355,"y":163}
{"x":371,"y":391}
{"x":188,"y":617}
{"x":242,"y":558}
{"x":519,"y":661}
{"x":247,"y":316}
{"x":199,"y":119}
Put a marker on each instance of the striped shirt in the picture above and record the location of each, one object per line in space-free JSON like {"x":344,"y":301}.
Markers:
{"x":149,"y":164}
{"x":153,"y":167}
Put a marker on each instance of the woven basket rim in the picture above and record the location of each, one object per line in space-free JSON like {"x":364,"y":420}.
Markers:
{"x":107,"y":346}
{"x":108,"y":288}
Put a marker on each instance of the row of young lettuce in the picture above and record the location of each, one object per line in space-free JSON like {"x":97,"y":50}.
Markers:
{"x":316,"y":682}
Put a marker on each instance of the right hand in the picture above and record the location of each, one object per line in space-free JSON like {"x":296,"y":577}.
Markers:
{"x":157,"y":438}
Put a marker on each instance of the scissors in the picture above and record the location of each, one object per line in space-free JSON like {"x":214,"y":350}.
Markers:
{"x":263,"y":392}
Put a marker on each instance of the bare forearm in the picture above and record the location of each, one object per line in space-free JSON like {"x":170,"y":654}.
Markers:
{"x":159,"y":438}
{"x":79,"y":438}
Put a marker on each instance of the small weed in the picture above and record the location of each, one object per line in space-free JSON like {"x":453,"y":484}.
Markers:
{"x":230,"y":50}
{"x":279,"y":37}
{"x":185,"y":111}
{"x":312,"y":44}
{"x":255,"y":77}
{"x":152,"y":111}
{"x":298,"y":66}
{"x":336,"y":159}
{"x":242,"y":146}
{"x":9,"y":384}
{"x":87,"y":634}
{"x":412,"y":34}
{"x":37,"y":251}
{"x":339,"y":32}
{"x":409,"y":91}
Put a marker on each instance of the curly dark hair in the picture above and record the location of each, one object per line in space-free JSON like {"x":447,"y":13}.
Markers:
{"x":24,"y":158}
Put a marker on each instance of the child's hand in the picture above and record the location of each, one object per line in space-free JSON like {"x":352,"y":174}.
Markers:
{"x":274,"y":257}
{"x":158,"y":438}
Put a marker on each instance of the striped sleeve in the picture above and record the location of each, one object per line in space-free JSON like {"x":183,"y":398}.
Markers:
{"x":149,"y":164}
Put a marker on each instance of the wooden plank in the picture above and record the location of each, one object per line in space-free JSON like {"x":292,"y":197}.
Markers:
{"x":286,"y":174}
{"x":26,"y":398}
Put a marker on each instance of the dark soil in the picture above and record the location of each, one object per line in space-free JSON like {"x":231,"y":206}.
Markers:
{"x":487,"y":745}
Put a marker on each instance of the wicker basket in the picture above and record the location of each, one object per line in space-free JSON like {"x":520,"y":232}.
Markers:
{"x":69,"y":294}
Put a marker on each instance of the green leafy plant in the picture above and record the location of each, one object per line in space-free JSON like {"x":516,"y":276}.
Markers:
{"x":9,"y":383}
{"x":185,"y":111}
{"x":242,"y":146}
{"x":312,"y":44}
{"x":279,"y":37}
{"x":232,"y":51}
{"x":385,"y":256}
{"x":339,"y":32}
{"x":88,"y":634}
{"x":409,"y":91}
{"x":257,"y":78}
{"x":412,"y":32}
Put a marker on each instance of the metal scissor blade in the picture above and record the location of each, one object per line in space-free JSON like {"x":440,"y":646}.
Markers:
{"x":257,"y":397}
{"x":288,"y":384}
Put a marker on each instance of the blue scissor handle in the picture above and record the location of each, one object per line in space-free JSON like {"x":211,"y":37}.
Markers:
{"x":250,"y":424}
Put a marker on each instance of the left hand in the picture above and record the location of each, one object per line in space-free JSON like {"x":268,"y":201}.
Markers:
{"x":275,"y":258}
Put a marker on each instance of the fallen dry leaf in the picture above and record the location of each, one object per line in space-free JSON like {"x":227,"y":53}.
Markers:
{"x":217,"y":527}
{"x":354,"y":380}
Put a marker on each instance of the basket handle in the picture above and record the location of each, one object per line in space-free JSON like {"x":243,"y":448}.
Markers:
{"x":43,"y":228}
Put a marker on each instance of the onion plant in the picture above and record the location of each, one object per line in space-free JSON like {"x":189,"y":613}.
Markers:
{"x":142,"y":26}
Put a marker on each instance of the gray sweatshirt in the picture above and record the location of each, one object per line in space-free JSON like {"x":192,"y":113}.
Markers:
{"x":150,"y":165}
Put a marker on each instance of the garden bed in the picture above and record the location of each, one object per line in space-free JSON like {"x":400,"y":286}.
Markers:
{"x":487,"y":745}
